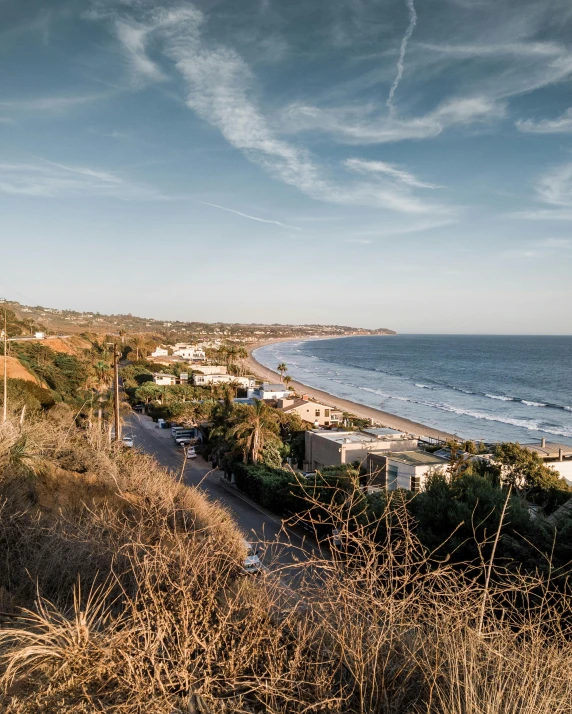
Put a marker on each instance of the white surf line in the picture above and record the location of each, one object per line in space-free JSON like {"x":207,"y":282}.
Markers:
{"x":402,"y":51}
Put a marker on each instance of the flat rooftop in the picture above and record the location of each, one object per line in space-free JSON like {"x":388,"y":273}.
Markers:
{"x":360,"y":437}
{"x":550,"y":450}
{"x":417,"y":458}
{"x":382,"y":431}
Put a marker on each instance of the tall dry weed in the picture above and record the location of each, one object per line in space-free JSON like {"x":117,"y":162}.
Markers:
{"x":133,"y":601}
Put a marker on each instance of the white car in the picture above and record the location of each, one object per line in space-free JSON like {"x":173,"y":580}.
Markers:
{"x":191,"y":453}
{"x":127,"y":441}
{"x":252,"y":563}
{"x":183,"y":440}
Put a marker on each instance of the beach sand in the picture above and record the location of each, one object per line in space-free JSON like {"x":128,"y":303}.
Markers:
{"x":377,"y":416}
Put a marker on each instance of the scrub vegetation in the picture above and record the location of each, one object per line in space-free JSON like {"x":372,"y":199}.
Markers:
{"x":122,"y":591}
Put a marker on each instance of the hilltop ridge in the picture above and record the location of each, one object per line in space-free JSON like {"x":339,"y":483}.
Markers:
{"x":52,"y":320}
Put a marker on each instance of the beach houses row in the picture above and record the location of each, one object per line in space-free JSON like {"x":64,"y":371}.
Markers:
{"x":205,"y":376}
{"x":393,"y":459}
{"x":183,"y":351}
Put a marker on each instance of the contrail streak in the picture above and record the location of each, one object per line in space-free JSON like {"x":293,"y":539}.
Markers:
{"x":246,"y":215}
{"x":402,"y":51}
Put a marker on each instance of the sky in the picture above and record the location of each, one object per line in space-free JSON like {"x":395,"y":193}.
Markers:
{"x":377,"y":163}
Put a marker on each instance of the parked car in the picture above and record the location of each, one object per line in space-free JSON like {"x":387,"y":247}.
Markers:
{"x":183,"y":440}
{"x":252,"y":563}
{"x":128,"y":441}
{"x":191,"y":453}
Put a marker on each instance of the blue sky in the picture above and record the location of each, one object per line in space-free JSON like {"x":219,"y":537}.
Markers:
{"x":366,"y":162}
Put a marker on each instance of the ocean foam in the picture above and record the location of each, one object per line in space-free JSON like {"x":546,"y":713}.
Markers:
{"x":502,"y":399}
{"x":533,"y":404}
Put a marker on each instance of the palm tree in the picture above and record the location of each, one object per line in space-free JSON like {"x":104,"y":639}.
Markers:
{"x":103,"y":372}
{"x":287,"y":379}
{"x":138,"y":345}
{"x":242,"y":354}
{"x":282,"y":368}
{"x":222,"y":354}
{"x":253,"y":429}
{"x":231,"y":352}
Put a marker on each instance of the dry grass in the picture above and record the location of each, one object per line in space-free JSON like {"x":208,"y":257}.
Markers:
{"x":130,"y":601}
{"x":16,"y":370}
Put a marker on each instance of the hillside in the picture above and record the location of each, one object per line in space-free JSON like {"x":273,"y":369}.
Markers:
{"x":15,"y":370}
{"x":122,"y":590}
{"x":73,"y":322}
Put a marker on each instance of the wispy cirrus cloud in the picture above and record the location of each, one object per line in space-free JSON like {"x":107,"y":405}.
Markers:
{"x":52,"y":104}
{"x":103,"y":176}
{"x":555,"y":187}
{"x":510,"y":49}
{"x":559,"y":125}
{"x":363,"y":124}
{"x":542,"y":214}
{"x":498,"y":56}
{"x":48,"y":179}
{"x":220,"y":89}
{"x":250,"y":217}
{"x":381,"y":167}
{"x":406,"y":229}
{"x":134,"y":39}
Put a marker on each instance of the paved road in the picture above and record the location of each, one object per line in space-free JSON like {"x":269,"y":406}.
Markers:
{"x":38,"y":339}
{"x":257,"y":525}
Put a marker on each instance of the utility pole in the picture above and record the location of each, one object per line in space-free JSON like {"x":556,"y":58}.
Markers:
{"x":5,"y":404}
{"x":116,"y":391}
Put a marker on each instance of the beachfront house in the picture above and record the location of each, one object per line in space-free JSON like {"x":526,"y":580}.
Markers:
{"x":202,"y":380}
{"x":164,"y":379}
{"x":403,"y":469}
{"x":332,"y":448}
{"x":554,"y":455}
{"x":159,"y":352}
{"x":269,"y":391}
{"x":211,"y":369}
{"x":311,"y":411}
{"x":188,"y":352}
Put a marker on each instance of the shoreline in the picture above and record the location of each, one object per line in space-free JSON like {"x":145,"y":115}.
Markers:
{"x":360,"y":410}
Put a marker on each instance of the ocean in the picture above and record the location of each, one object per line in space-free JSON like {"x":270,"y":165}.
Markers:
{"x":490,"y":388}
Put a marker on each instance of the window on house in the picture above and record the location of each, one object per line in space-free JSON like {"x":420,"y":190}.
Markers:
{"x":416,"y":483}
{"x":327,"y":413}
{"x":392,"y":477}
{"x":317,"y":412}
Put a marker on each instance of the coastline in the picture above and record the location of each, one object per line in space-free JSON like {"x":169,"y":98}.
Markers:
{"x":360,"y":410}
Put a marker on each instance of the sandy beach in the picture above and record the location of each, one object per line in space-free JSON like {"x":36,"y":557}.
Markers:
{"x":377,"y":416}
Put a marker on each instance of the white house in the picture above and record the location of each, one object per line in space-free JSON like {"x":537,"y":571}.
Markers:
{"x":159,"y":352}
{"x":403,"y":469}
{"x":311,"y":411}
{"x":202,"y":380}
{"x":269,"y":391}
{"x":332,"y":448}
{"x":211,"y":369}
{"x":556,"y":456}
{"x":164,"y":379}
{"x":188,"y":352}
